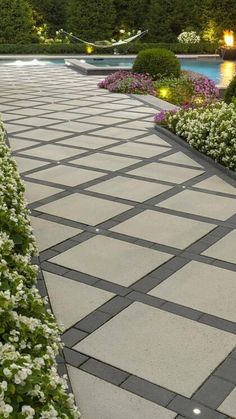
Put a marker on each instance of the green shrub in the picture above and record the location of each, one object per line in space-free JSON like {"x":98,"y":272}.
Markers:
{"x":76,"y":48}
{"x":157,"y":62}
{"x":16,"y":22}
{"x":176,"y":90}
{"x":230,"y":92}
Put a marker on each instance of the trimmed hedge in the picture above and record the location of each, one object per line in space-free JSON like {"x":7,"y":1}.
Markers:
{"x":157,"y":62}
{"x":29,"y":336}
{"x":132,"y":48}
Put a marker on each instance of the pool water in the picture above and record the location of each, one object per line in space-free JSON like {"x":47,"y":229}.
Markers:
{"x":218,"y":70}
{"x":33,"y":62}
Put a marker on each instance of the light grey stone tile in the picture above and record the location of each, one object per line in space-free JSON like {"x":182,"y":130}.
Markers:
{"x":110,"y":259}
{"x":163,"y":228}
{"x":105,"y":161}
{"x":75,"y":126}
{"x":139,"y":150}
{"x":228,"y":407}
{"x":224,"y":249}
{"x":88,"y":141}
{"x":163,"y":346}
{"x":216,"y":184}
{"x":43,"y":134}
{"x":118,"y":133}
{"x":166,"y":172}
{"x":53,"y":152}
{"x":110,"y":401}
{"x":49,"y":233}
{"x":199,"y":203}
{"x":71,"y":301}
{"x":202,"y":287}
{"x":128,"y":188}
{"x":67,"y":175}
{"x":25,"y":165}
{"x":35,"y":192}
{"x":181,"y":158}
{"x":78,"y":207}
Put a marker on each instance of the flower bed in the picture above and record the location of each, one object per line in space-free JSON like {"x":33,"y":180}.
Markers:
{"x":127,"y":82}
{"x":29,"y":336}
{"x":210,"y":129}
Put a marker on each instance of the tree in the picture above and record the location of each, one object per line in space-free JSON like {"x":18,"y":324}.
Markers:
{"x":93,"y":20}
{"x":51,"y":12}
{"x":16,"y":22}
{"x":131,"y":14}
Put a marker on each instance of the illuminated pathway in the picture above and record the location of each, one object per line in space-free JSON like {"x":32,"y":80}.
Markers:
{"x":137,"y":246}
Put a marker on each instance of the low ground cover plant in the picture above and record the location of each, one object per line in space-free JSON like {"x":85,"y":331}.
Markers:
{"x":127,"y":82}
{"x":210,"y":129}
{"x":29,"y":336}
{"x":186,"y":89}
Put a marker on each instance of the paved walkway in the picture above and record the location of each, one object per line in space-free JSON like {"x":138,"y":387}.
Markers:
{"x":137,"y":245}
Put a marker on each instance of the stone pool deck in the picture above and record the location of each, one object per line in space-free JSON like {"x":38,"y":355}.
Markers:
{"x":137,"y":248}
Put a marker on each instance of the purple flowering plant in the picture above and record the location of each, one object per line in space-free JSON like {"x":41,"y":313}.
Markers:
{"x":127,"y":82}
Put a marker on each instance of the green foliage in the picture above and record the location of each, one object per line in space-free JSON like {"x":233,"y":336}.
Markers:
{"x":51,"y":12}
{"x":230,"y":93}
{"x":16,"y":22}
{"x":93,"y":20}
{"x":210,"y":129}
{"x":176,"y":90}
{"x":157,"y":62}
{"x":132,"y":48}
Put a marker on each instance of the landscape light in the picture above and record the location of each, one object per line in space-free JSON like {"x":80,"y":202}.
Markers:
{"x":229,"y":38}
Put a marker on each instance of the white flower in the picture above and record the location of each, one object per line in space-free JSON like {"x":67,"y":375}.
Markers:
{"x":28,"y":411}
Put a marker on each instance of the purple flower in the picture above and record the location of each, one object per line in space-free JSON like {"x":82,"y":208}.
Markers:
{"x":127,"y":82}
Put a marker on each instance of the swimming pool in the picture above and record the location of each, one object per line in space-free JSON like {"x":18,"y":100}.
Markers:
{"x":216,"y":69}
{"x":31,"y":62}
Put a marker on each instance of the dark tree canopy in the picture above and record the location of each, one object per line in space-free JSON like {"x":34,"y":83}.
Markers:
{"x":16,"y":22}
{"x":53,"y":12}
{"x":91,"y":20}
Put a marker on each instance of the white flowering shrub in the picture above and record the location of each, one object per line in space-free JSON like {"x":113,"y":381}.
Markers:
{"x":190,"y":37}
{"x":210,"y":129}
{"x":29,"y":336}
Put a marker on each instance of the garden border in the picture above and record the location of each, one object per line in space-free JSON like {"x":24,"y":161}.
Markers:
{"x":182,"y":142}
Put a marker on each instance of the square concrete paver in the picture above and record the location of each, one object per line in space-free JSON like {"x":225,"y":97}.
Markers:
{"x":43,"y":134}
{"x":66,"y":175}
{"x":139,"y":150}
{"x":153,"y":139}
{"x":216,"y":184}
{"x":24,"y":165}
{"x":106,"y":396}
{"x":163,"y":228}
{"x":203,"y":287}
{"x":172,"y":351}
{"x":71,"y":301}
{"x":113,"y":260}
{"x":17,"y":144}
{"x":166,"y":172}
{"x":49,"y":234}
{"x":53,"y":152}
{"x":228,"y":407}
{"x":37,"y":121}
{"x":200,"y":203}
{"x":224,"y":249}
{"x":105,"y":161}
{"x":75,"y":126}
{"x":118,"y":133}
{"x":128,"y":188}
{"x":81,"y":208}
{"x":88,"y":142}
{"x":103,"y":120}
{"x":35,"y":192}
{"x":181,"y":158}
